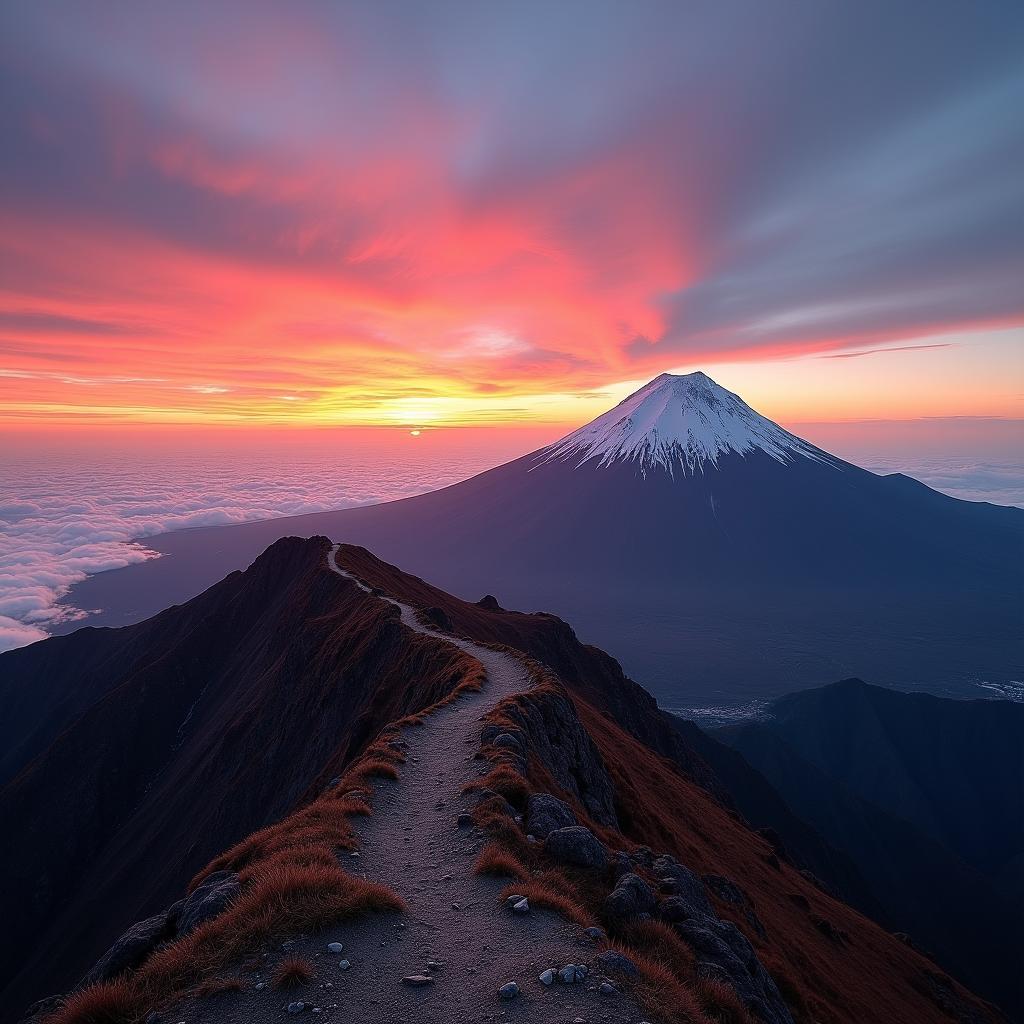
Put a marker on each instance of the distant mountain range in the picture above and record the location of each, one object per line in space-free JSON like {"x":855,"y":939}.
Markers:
{"x":926,"y":796}
{"x":215,"y":740}
{"x":720,"y":557}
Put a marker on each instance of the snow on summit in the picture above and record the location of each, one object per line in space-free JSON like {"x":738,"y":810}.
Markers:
{"x":680,"y":424}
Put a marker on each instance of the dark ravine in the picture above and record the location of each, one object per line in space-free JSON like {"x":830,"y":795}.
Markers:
{"x":925,"y":795}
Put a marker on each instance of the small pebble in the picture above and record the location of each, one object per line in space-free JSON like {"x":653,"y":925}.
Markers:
{"x":522,"y":907}
{"x":334,"y":947}
{"x":509,"y":990}
{"x":417,"y":980}
{"x":568,"y":974}
{"x":608,"y":989}
{"x":294,"y":1008}
{"x":344,"y":964}
{"x":547,"y":977}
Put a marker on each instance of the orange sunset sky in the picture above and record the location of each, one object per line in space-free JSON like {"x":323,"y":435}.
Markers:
{"x":323,"y":215}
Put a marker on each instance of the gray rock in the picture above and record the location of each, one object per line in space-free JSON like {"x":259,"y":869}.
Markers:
{"x":567,"y":975}
{"x":581,"y":972}
{"x":344,"y":964}
{"x":594,"y":933}
{"x":417,"y":980}
{"x":130,"y":950}
{"x":508,"y":741}
{"x":576,"y":845}
{"x":545,"y":813}
{"x":522,"y":907}
{"x":676,"y":908}
{"x":687,"y":884}
{"x":511,"y":901}
{"x":296,"y":1007}
{"x":606,"y":988}
{"x":547,"y":977}
{"x":508,"y":991}
{"x":630,"y":898}
{"x":724,"y":954}
{"x":334,"y":947}
{"x":614,"y":962}
{"x":725,"y":889}
{"x":437,"y":617}
{"x":208,"y":899}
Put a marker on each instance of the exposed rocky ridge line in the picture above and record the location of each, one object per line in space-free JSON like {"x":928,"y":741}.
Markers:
{"x":123,"y":806}
{"x":550,"y":738}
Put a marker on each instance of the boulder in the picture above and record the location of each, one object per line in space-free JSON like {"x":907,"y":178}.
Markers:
{"x":208,"y":899}
{"x":676,"y":908}
{"x":687,"y":885}
{"x":576,"y":845}
{"x":130,"y":950}
{"x":630,"y":898}
{"x":614,"y":962}
{"x":724,"y":954}
{"x":508,"y":741}
{"x":545,"y":813}
{"x":437,"y":617}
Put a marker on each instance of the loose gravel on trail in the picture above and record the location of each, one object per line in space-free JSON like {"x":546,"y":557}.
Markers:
{"x":457,"y":940}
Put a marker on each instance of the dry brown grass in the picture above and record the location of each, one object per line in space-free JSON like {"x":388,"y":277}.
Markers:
{"x":505,"y":781}
{"x":495,"y":860}
{"x":111,"y":1002}
{"x":277,"y":899}
{"x":292,"y":972}
{"x":542,"y":893}
{"x":215,"y":986}
{"x":377,"y":767}
{"x":662,"y":993}
{"x":721,"y":1004}
{"x":660,"y":941}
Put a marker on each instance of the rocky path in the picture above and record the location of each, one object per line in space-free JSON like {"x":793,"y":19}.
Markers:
{"x":456,"y":932}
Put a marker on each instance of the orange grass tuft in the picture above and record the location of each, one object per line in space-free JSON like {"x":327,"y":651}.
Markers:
{"x":215,"y":986}
{"x":721,"y":1004}
{"x":112,"y":1002}
{"x":277,"y":899}
{"x":292,"y":972}
{"x":543,"y":894}
{"x":494,"y":860}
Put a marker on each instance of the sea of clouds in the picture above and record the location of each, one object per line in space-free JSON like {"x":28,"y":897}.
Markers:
{"x":65,"y":517}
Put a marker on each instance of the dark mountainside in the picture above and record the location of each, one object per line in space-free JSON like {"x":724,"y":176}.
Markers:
{"x":925,"y":795}
{"x":233,"y":711}
{"x":206,"y":723}
{"x":740,"y":579}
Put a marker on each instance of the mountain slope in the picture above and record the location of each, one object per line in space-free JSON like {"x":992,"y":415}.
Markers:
{"x":208,"y":722}
{"x":925,"y":796}
{"x":719,"y":558}
{"x":312,"y":669}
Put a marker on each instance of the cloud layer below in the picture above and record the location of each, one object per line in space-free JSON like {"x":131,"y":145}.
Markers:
{"x":63,"y":518}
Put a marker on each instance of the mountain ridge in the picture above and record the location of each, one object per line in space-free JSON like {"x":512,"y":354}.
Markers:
{"x":336,"y":639}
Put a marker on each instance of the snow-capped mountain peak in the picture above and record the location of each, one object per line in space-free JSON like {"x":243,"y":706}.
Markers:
{"x":683,"y":424}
